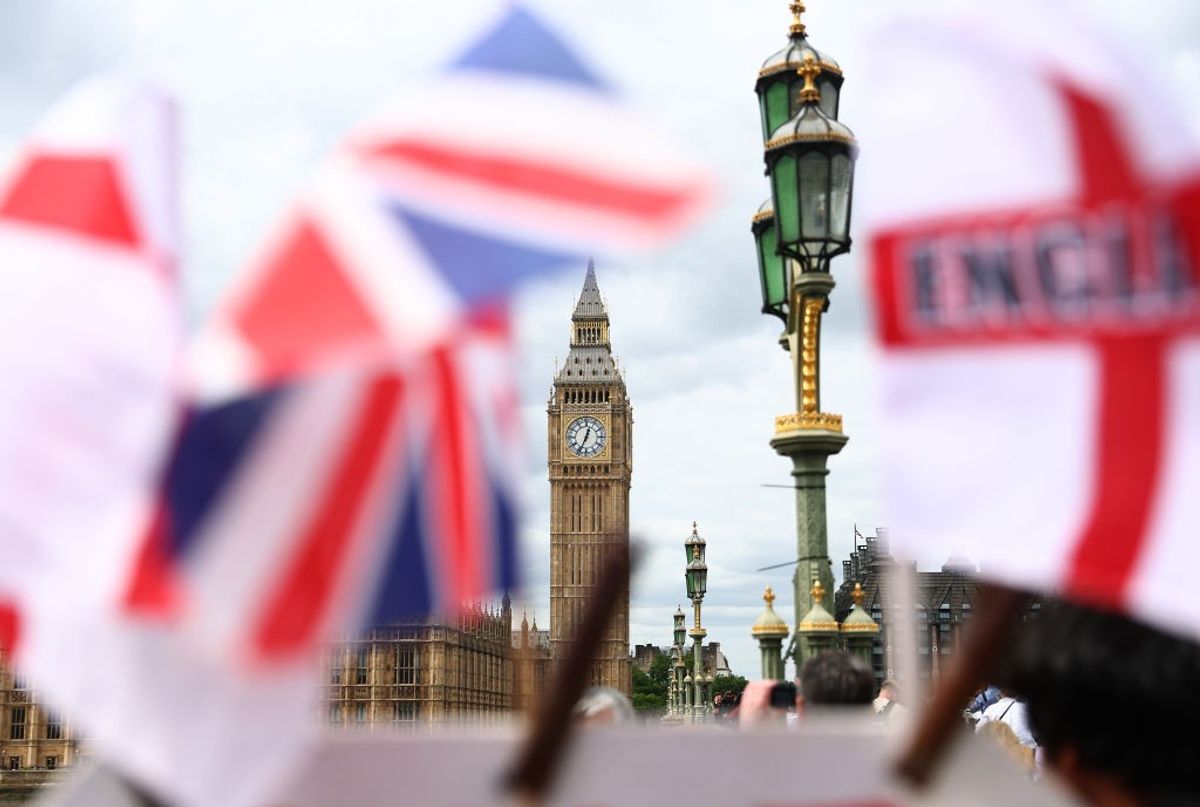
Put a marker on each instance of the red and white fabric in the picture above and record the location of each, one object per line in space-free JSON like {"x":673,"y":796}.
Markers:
{"x":1044,"y":418}
{"x":88,"y":232}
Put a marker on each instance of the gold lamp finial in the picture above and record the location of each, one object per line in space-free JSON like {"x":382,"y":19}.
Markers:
{"x":797,"y":26}
{"x":809,"y":72}
{"x":694,"y":528}
{"x":857,"y":595}
{"x":769,"y":597}
{"x":817,"y":591}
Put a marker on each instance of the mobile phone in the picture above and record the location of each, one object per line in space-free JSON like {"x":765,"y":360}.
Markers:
{"x":783,"y":695}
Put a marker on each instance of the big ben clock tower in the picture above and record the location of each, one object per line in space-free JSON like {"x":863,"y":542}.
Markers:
{"x":590,"y":455}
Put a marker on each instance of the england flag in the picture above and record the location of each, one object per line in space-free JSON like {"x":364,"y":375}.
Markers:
{"x":1034,"y":243}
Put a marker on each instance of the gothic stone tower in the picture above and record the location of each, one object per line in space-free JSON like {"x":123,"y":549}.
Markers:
{"x":590,"y":454}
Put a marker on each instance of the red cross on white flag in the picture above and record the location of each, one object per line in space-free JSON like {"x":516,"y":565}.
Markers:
{"x":1034,"y":240}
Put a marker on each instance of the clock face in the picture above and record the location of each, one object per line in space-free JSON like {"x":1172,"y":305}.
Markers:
{"x":586,"y":437}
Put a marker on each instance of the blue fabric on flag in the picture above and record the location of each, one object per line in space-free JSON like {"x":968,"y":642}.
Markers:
{"x":477,"y":266}
{"x":505,"y":516}
{"x":520,"y":44}
{"x":211,"y":446}
{"x":405,"y":590}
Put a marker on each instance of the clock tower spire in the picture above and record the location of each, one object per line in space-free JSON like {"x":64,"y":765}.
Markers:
{"x":590,"y":460}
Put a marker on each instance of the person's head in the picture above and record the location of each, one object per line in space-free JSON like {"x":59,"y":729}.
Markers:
{"x":603,"y":706}
{"x":890,"y":690}
{"x":1102,"y":692}
{"x":837,"y":678}
{"x":718,"y":699}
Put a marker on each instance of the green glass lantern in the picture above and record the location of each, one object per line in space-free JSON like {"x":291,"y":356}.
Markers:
{"x":779,"y":84}
{"x":697,"y":579}
{"x":680,"y":631}
{"x":774,"y":270}
{"x":810,"y":160}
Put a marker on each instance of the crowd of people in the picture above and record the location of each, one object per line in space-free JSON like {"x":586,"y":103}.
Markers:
{"x":1105,"y":703}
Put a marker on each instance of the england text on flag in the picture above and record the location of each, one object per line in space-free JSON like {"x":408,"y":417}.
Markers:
{"x":1039,"y":309}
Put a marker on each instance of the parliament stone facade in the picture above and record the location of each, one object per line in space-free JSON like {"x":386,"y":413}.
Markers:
{"x":35,"y":740}
{"x":429,"y":672}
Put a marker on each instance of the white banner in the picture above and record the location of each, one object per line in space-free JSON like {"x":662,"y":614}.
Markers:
{"x":823,"y":764}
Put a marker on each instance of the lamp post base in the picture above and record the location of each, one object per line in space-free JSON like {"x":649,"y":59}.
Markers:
{"x":809,"y":449}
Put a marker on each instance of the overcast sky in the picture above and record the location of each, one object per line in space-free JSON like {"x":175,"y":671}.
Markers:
{"x":269,"y":86}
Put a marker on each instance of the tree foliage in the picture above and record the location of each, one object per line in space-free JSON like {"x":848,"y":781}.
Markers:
{"x":650,"y":689}
{"x":648,"y":695}
{"x":729,"y":683}
{"x":660,"y":671}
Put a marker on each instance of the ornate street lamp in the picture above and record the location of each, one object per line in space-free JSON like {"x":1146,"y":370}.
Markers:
{"x":677,"y":666}
{"x":671,"y":688}
{"x":697,"y":583}
{"x":810,"y":160}
{"x":675,"y":682}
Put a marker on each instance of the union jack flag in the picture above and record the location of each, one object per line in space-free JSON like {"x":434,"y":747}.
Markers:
{"x":514,"y":161}
{"x":348,"y":455}
{"x":353,"y":497}
{"x":363,"y":470}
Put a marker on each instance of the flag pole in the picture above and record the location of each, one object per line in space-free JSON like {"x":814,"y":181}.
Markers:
{"x":990,"y":635}
{"x":540,"y":758}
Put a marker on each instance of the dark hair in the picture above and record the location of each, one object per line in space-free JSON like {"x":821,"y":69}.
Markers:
{"x":1110,"y":689}
{"x":837,"y":678}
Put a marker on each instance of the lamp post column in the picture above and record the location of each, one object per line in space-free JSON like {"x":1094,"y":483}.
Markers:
{"x":696,"y":576}
{"x":679,"y":641}
{"x":808,"y":438}
{"x":697,"y":633}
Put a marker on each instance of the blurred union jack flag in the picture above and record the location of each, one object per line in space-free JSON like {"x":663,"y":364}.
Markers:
{"x":353,"y":457}
{"x":350,"y":498}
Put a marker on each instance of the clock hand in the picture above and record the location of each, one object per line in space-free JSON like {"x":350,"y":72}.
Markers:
{"x":587,"y":434}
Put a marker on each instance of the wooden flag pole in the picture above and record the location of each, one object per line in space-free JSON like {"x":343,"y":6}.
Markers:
{"x":984,"y":644}
{"x":533,"y":774}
